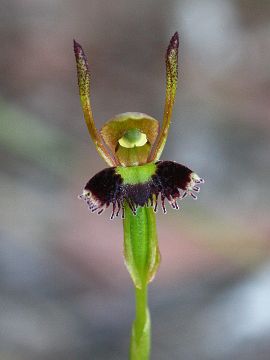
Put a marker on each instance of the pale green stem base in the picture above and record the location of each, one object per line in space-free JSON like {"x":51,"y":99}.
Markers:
{"x":141,"y":328}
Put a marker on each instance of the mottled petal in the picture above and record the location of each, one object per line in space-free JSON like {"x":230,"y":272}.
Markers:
{"x":171,"y":85}
{"x":84,"y":89}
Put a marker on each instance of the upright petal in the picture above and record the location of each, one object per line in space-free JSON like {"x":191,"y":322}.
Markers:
{"x":171,"y":85}
{"x":84,"y":89}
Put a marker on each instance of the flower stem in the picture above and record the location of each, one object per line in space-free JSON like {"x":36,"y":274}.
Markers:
{"x":142,"y":259}
{"x":141,"y":329}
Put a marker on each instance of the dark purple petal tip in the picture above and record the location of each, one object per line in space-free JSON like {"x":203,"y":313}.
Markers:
{"x":174,"y":43}
{"x":77,"y":47}
{"x":79,"y":53}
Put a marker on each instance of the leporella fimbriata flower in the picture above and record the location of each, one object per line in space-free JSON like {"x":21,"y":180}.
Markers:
{"x":131,"y":143}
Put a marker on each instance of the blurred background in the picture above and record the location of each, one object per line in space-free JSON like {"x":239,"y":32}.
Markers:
{"x":64,"y":290}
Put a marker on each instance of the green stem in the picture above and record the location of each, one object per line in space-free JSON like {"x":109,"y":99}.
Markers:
{"x":141,"y":328}
{"x":141,"y":307}
{"x":142,"y":259}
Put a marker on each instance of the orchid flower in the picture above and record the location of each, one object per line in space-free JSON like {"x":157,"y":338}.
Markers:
{"x":135,"y":183}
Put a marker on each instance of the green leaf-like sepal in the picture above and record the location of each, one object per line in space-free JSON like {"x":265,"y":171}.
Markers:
{"x":141,"y":250}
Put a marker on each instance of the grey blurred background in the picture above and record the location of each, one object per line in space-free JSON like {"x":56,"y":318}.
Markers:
{"x":64,"y":290}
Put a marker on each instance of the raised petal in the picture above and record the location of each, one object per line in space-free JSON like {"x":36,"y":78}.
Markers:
{"x":84,"y":89}
{"x":171,"y":86}
{"x":130,"y":136}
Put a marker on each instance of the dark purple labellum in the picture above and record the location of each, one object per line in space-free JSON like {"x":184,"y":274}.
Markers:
{"x":173,"y":181}
{"x":103,"y":189}
{"x":170,"y":181}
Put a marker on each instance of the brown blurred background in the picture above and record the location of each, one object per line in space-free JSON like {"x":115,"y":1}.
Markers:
{"x":64,"y":290}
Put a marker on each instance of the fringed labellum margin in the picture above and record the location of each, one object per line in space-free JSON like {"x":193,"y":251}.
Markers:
{"x":140,"y":186}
